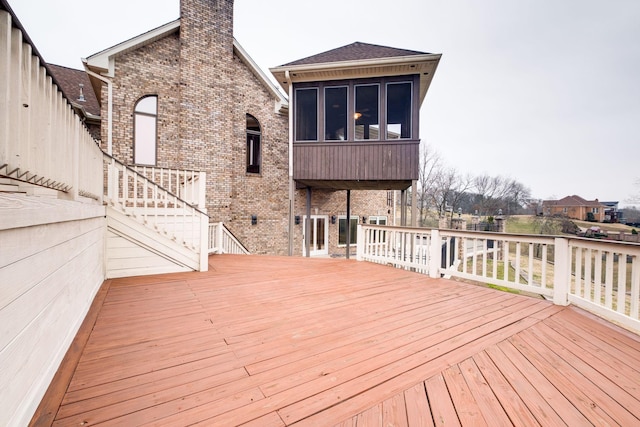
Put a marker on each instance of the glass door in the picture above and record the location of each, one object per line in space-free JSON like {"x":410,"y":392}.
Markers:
{"x":319,"y":235}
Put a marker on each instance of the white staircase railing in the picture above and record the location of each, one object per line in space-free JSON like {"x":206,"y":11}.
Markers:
{"x":222,"y":241}
{"x":601,"y":276}
{"x":156,"y":208}
{"x":188,"y":185}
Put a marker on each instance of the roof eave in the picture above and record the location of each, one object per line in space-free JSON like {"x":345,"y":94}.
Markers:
{"x":281,"y":100}
{"x":425,"y":65}
{"x":103,"y":61}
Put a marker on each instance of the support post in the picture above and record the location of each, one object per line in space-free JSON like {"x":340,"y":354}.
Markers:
{"x":414,"y":203}
{"x":291,"y":214}
{"x":307,"y":226}
{"x":403,"y":208}
{"x":348,"y":224}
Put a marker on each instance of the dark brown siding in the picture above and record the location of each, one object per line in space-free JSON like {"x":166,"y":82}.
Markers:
{"x":357,"y":161}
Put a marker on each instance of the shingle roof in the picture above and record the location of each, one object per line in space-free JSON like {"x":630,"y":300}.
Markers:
{"x":573,"y":201}
{"x":355,"y":52}
{"x":70,"y":80}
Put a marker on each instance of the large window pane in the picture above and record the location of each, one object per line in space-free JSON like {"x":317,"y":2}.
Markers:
{"x":335,"y":113}
{"x":398,"y":110}
{"x":254,"y":157}
{"x":366,"y":116}
{"x":145,"y":131}
{"x":307,"y":114}
{"x":342,"y":230}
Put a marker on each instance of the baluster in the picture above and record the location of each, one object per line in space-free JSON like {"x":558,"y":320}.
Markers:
{"x":184,"y":223}
{"x":125,"y":188}
{"x":192,"y":194}
{"x":587,"y":274}
{"x":494,"y":256}
{"x":622,"y":283}
{"x":485,"y":257}
{"x":155,"y":206}
{"x":530,"y":266}
{"x":597,"y":278}
{"x":505,"y":257}
{"x":135,"y":192}
{"x":635,"y":287}
{"x":184,"y":185}
{"x":516,"y":279}
{"x":608,"y":281}
{"x":577,"y":273}
{"x":543,"y":279}
{"x":145,"y":196}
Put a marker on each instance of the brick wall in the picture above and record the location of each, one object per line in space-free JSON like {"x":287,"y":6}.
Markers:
{"x":204,"y":94}
{"x":364,"y":203}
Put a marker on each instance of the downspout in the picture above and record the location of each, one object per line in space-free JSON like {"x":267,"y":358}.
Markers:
{"x":291,"y":183}
{"x":109,"y":107}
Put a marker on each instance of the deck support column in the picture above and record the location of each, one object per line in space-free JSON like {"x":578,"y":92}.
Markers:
{"x":403,"y":208}
{"x":348,"y":223}
{"x":307,"y":225}
{"x":414,"y":203}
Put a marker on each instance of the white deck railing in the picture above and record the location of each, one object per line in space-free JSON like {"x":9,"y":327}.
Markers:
{"x":600,"y":276}
{"x":42,"y":141}
{"x":156,"y":208}
{"x":187,"y":184}
{"x":222,"y":241}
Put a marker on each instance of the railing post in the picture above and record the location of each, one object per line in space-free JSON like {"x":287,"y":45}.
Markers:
{"x":562,"y":264}
{"x":360,"y":243}
{"x":435,"y":254}
{"x":204,"y":243}
{"x":219,"y":237}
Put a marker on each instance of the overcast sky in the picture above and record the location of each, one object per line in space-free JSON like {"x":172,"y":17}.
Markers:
{"x":543,"y":91}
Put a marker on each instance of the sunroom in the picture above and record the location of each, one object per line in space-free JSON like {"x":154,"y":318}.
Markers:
{"x":355,"y":116}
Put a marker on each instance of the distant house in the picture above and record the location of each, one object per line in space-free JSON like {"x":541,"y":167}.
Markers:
{"x":575,"y":207}
{"x":612,"y":212}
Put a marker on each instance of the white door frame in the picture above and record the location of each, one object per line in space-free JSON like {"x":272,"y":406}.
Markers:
{"x":313,"y":247}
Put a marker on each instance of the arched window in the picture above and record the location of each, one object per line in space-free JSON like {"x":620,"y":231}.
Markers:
{"x":145,"y":120}
{"x":254,"y":155}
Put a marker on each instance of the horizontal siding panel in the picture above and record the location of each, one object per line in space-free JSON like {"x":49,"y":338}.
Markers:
{"x":47,"y":247}
{"x":41,"y":318}
{"x":392,"y":161}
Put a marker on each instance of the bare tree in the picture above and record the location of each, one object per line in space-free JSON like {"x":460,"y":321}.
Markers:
{"x":635,"y":198}
{"x":516,"y":196}
{"x":497,"y":192}
{"x":448,"y":187}
{"x":430,"y":166}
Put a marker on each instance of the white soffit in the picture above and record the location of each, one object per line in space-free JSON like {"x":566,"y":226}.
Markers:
{"x":103,"y":62}
{"x":424,"y":65}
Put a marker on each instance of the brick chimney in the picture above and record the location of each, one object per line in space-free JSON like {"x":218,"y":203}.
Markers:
{"x":206,"y":79}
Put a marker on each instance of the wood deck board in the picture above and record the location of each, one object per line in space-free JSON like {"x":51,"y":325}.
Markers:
{"x":281,"y":341}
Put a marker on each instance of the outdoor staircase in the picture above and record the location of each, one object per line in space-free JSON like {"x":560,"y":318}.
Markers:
{"x":150,"y":229}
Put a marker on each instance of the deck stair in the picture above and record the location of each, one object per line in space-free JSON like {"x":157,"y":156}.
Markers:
{"x":150,"y":229}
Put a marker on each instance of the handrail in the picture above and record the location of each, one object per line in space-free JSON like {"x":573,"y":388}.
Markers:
{"x":222,"y":241}
{"x":159,"y":187}
{"x":156,"y":208}
{"x":600,"y":276}
{"x":189,"y":185}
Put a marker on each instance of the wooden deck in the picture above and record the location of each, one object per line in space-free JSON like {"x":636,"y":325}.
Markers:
{"x":274,"y":341}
